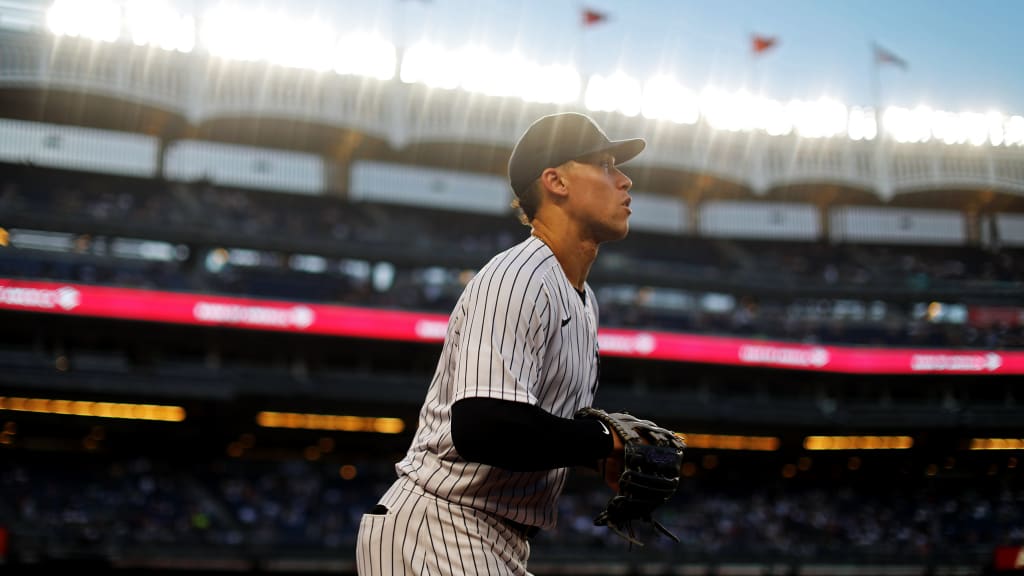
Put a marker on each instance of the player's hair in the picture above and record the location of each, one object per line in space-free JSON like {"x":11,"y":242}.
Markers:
{"x":528,"y":202}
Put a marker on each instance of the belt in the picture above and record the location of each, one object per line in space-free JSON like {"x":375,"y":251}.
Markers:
{"x":524,"y":530}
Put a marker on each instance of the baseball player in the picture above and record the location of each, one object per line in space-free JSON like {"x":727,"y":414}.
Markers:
{"x":497,"y":436}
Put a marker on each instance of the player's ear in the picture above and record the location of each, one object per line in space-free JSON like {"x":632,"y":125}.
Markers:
{"x":553,"y":180}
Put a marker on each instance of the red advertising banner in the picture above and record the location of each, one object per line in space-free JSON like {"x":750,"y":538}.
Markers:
{"x":1008,"y":558}
{"x":249,"y":313}
{"x":255,"y":314}
{"x":985,"y":316}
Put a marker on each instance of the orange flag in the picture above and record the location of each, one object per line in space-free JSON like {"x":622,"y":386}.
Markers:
{"x":762,"y":44}
{"x":592,"y":17}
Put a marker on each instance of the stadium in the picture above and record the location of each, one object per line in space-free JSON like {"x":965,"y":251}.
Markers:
{"x":225,"y":280}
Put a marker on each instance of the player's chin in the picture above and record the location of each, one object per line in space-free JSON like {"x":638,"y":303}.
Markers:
{"x":613,"y":230}
{"x":621,"y":231}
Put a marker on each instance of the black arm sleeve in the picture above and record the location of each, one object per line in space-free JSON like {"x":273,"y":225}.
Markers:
{"x":522,"y":437}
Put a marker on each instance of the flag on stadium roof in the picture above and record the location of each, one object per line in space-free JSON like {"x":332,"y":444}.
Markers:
{"x":761,"y":44}
{"x":883,"y":56}
{"x":592,"y":17}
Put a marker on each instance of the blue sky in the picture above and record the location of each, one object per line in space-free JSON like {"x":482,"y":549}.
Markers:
{"x":962,"y":55}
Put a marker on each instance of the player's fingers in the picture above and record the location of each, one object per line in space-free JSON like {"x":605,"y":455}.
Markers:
{"x":612,"y":468}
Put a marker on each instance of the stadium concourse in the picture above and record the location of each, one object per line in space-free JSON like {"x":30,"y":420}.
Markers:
{"x":223,"y":289}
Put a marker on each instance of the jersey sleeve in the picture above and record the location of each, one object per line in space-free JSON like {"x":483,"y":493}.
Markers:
{"x":501,"y":348}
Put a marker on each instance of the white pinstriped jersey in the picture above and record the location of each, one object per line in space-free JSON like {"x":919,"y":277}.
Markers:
{"x":519,"y":332}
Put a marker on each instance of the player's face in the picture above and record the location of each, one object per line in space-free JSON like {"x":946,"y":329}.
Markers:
{"x":601,"y":193}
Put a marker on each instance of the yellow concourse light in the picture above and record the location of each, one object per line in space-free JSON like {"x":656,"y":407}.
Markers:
{"x":731,"y":442}
{"x":341,"y":423}
{"x":123,"y":410}
{"x":858,"y":442}
{"x":997,"y":444}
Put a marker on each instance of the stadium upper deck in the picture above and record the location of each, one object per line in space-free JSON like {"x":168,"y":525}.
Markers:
{"x":344,"y":118}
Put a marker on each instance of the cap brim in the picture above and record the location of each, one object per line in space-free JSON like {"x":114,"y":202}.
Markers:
{"x":623,"y":150}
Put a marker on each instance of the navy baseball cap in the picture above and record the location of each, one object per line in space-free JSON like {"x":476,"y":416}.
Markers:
{"x":557,"y":138}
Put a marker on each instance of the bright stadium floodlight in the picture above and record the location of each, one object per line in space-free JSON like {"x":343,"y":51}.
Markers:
{"x":554,"y":84}
{"x":975,"y":127}
{"x":430,"y":65}
{"x":740,"y":111}
{"x":747,"y":109}
{"x":155,"y":23}
{"x":823,"y":118}
{"x":895,"y":122}
{"x":920,"y":123}
{"x":484,"y":72}
{"x":796,"y":112}
{"x":310,"y":44}
{"x":721,"y":110}
{"x":514,"y":82}
{"x":476,"y":74}
{"x":184,"y":39}
{"x":235,"y":34}
{"x":616,"y":93}
{"x":945,"y":126}
{"x":773,"y":118}
{"x":1014,"y":131}
{"x":687,"y":109}
{"x":665,"y":99}
{"x":861,"y":124}
{"x":302,"y":44}
{"x":713,"y":108}
{"x":91,"y":19}
{"x":476,"y":69}
{"x":597,"y":97}
{"x":628,"y":94}
{"x":728,"y":112}
{"x":995,"y":122}
{"x":657,"y":97}
{"x":365,"y":54}
{"x":414,"y":62}
{"x":445,"y":72}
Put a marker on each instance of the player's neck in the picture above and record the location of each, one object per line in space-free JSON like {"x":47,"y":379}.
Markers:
{"x":574,"y":256}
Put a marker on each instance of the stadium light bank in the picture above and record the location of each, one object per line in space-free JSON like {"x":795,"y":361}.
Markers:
{"x":254,"y":34}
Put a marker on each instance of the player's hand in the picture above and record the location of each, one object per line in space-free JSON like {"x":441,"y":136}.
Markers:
{"x":614,"y":464}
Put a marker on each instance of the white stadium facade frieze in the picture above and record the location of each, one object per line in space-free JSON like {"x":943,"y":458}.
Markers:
{"x":199,"y":90}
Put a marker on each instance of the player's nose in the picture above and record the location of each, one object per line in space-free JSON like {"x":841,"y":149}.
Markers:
{"x":624,"y":182}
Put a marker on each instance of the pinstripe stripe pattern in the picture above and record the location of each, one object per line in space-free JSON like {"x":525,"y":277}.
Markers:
{"x":519,"y":332}
{"x":422,"y":534}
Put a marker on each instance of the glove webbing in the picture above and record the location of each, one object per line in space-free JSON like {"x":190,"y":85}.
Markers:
{"x":650,"y":475}
{"x":645,"y":485}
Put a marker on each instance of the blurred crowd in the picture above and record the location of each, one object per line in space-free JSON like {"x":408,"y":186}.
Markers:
{"x":414,"y":258}
{"x":106,"y":506}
